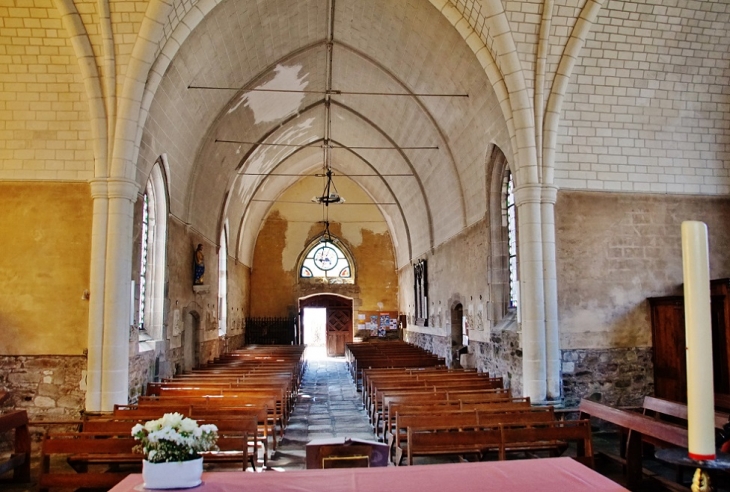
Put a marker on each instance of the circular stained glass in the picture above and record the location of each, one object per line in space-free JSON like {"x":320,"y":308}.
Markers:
{"x":325,"y":258}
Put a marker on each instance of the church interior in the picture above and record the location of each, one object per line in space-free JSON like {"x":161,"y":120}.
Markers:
{"x":499,"y":183}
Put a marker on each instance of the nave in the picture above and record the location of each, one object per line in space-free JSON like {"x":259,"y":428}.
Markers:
{"x":327,"y":406}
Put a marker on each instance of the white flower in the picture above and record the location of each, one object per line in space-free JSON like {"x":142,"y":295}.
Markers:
{"x":188,"y":425}
{"x":172,"y":420}
{"x":209,"y":428}
{"x":153,"y":425}
{"x":173,"y":438}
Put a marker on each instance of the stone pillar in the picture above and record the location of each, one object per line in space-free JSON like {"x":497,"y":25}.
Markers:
{"x":552,"y":330}
{"x":532,"y":299}
{"x":96,"y":295}
{"x":117,"y":299}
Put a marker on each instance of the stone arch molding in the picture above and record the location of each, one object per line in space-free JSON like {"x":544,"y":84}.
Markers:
{"x":494,"y":47}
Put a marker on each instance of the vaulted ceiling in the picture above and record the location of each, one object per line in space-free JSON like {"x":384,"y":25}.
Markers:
{"x":220,"y":106}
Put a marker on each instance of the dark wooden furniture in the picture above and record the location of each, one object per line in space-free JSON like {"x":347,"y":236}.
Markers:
{"x":19,"y":461}
{"x":639,"y":428}
{"x":667,"y":326}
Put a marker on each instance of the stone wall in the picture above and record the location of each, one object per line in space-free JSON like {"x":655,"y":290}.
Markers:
{"x":48,"y":387}
{"x":501,"y":356}
{"x":614,"y":250}
{"x":288,"y":231}
{"x":440,"y":346}
{"x":192,"y":312}
{"x":141,"y":371}
{"x":620,"y":376}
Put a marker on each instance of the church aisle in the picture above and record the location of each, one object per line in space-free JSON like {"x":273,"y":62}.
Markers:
{"x":328,"y":406}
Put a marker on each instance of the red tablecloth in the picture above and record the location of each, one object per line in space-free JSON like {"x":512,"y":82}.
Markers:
{"x":539,"y":475}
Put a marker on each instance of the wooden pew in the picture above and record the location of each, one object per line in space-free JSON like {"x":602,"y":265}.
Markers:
{"x":19,"y":461}
{"x":235,"y":436}
{"x":507,"y":437}
{"x":465,"y":419}
{"x":154,"y":409}
{"x":417,"y":403}
{"x":640,"y":426}
{"x":547,"y":436}
{"x":235,"y":400}
{"x":447,"y":440}
{"x":81,"y":449}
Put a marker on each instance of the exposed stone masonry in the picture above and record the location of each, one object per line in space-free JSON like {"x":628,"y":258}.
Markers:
{"x":46,"y":386}
{"x":612,"y":376}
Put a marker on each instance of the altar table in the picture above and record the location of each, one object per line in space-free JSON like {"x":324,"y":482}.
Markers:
{"x":543,"y":475}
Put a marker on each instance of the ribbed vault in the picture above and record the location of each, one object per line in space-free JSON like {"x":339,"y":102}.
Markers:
{"x":217,"y":132}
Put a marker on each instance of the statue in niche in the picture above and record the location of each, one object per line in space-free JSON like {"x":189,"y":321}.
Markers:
{"x":198,"y":266}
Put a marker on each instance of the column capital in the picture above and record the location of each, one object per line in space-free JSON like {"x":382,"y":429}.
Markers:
{"x":114,"y":188}
{"x":98,"y":188}
{"x":549,"y":194}
{"x":529,"y":193}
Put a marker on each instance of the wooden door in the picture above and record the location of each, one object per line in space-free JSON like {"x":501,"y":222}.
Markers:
{"x":339,"y":330}
{"x":339,"y":320}
{"x":670,"y":363}
{"x":670,"y":358}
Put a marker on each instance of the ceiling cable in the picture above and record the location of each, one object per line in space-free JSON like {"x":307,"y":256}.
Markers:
{"x":331,"y":92}
{"x":331,"y":146}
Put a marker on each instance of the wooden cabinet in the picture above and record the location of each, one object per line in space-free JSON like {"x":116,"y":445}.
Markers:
{"x":667,"y":325}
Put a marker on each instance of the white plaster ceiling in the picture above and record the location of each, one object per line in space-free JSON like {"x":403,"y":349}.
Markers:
{"x":381,"y":46}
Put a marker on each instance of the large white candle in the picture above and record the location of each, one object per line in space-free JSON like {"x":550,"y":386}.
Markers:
{"x":698,"y":332}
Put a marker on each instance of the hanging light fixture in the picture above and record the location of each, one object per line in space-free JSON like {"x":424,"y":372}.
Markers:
{"x":330,"y":193}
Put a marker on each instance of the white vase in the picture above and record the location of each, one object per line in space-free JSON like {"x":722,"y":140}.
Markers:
{"x":173,"y":474}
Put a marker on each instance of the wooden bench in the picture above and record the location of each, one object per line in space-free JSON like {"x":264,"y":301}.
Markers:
{"x":547,"y":436}
{"x":19,"y":461}
{"x":80,"y":450}
{"x":509,"y":437}
{"x":464,"y":419}
{"x":406,"y":405}
{"x":261,"y":437}
{"x":448,"y":440}
{"x":640,"y":427}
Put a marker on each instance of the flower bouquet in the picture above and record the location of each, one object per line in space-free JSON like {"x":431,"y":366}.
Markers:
{"x":171,"y":447}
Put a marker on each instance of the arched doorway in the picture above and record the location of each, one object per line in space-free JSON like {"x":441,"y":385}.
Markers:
{"x":338,"y":324}
{"x":457,"y":333}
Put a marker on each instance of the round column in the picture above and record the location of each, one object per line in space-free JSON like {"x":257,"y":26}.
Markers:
{"x":96,"y":295}
{"x":552,"y":330}
{"x":117,"y":299}
{"x":532,"y":300}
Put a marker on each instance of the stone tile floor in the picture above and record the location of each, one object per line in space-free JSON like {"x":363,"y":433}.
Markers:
{"x":328,"y":406}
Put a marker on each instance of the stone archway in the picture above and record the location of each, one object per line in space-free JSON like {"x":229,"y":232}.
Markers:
{"x":339,"y":320}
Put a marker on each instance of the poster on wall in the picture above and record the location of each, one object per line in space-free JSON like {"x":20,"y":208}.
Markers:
{"x":384,"y":324}
{"x":373,"y":325}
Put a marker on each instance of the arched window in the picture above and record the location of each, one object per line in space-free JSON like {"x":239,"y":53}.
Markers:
{"x":503,"y":264}
{"x":326,"y":259}
{"x":511,"y":213}
{"x":152,"y":254}
{"x":222,"y":284}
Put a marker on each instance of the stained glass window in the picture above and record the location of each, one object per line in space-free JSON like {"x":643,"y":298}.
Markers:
{"x":326,"y":260}
{"x":143,"y":255}
{"x":512,"y":242}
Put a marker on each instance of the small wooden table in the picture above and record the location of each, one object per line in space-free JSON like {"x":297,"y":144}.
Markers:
{"x":544,"y":475}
